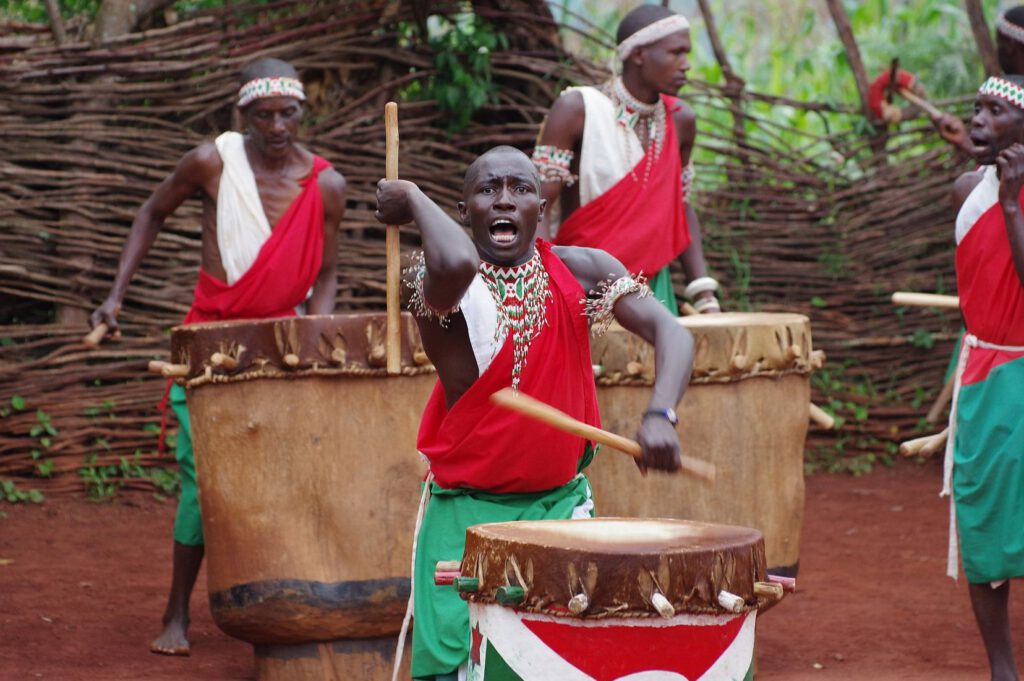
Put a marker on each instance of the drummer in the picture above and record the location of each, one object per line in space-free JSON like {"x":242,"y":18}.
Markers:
{"x":985,"y":451}
{"x":497,"y":310}
{"x":616,"y":160}
{"x":271,"y":211}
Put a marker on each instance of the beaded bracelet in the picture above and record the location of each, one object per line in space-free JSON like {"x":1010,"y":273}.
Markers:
{"x":418,"y":304}
{"x":553,"y":164}
{"x":600,"y":304}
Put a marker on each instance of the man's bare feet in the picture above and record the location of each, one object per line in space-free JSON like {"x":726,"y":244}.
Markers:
{"x":171,"y":640}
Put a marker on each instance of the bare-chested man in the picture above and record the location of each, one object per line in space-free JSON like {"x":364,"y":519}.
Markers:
{"x":271,"y":211}
{"x":502,"y":309}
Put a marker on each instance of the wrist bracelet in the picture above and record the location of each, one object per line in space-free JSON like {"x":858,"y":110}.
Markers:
{"x":700,"y":285}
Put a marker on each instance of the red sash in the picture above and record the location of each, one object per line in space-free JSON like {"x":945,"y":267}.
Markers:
{"x":283,"y":272}
{"x":482,"y":446}
{"x":644,"y":226}
{"x":991,"y":295}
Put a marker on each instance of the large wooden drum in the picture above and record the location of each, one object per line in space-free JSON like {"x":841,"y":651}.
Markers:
{"x":309,"y":484}
{"x":612,"y":598}
{"x":746,"y":411}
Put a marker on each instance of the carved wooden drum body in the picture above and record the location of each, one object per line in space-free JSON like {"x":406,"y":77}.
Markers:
{"x":309,"y":485}
{"x":746,"y":411}
{"x":612,"y":598}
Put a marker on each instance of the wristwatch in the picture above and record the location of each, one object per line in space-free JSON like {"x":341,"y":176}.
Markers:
{"x":668,"y":414}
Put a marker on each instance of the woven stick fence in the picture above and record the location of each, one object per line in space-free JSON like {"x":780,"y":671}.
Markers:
{"x":87,"y":132}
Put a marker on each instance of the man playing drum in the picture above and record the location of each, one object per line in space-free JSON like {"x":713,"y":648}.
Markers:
{"x":497,"y":310}
{"x":985,"y":449}
{"x":617,"y":160}
{"x":271,"y":211}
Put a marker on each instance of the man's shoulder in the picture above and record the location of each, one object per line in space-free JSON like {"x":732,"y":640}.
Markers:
{"x":331,"y":180}
{"x":685,"y":119}
{"x":965,"y":184}
{"x":204,"y":157}
{"x":588,"y":265}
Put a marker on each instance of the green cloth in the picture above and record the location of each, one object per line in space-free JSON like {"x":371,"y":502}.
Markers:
{"x":188,"y":523}
{"x":988,"y":475}
{"x":661,"y":286}
{"x":440,"y":634}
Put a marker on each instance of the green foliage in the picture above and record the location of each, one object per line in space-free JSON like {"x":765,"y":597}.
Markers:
{"x":10,"y":493}
{"x":102,"y":482}
{"x":461,"y":82}
{"x":854,"y":450}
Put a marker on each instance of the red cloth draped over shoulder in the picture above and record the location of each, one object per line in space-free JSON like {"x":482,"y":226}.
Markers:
{"x":643,"y":225}
{"x":283,"y":272}
{"x":479,"y":445}
{"x":991,"y":295}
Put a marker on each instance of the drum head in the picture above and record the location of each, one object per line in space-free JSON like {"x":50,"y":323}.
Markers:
{"x":616,"y":566}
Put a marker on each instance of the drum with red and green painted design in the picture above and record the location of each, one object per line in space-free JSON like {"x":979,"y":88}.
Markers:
{"x":612,"y":599}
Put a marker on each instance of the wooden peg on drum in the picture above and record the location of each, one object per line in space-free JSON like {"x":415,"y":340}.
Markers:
{"x":392,"y":247}
{"x":545,"y":413}
{"x":167,"y":369}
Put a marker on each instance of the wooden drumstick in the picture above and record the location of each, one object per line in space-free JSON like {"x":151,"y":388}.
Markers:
{"x":921,"y":103}
{"x":96,"y":336}
{"x":167,"y":369}
{"x":925,"y":446}
{"x":545,"y":413}
{"x":926,"y":300}
{"x":394,"y":311}
{"x":688,"y":310}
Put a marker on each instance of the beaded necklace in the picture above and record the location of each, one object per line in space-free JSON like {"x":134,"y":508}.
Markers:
{"x":630,"y":112}
{"x":520,"y":293}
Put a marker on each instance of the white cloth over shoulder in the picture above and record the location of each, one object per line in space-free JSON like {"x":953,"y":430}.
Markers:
{"x":481,"y":314}
{"x":609,"y":150}
{"x":978,"y":202}
{"x":242,"y":226}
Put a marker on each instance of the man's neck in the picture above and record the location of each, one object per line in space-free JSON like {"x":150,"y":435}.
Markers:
{"x":273,"y":165}
{"x":638,"y":88}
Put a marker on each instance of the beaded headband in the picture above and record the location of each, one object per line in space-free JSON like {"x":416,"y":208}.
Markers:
{"x":278,"y":86}
{"x":652,"y":34}
{"x":1009,"y":29}
{"x":1004,"y":89}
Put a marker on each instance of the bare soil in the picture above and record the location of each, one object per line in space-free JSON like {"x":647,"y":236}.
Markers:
{"x":82,"y":588}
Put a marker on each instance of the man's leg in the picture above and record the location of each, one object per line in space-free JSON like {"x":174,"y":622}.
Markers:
{"x":173,"y":639}
{"x":991,"y":610}
{"x":188,"y":541}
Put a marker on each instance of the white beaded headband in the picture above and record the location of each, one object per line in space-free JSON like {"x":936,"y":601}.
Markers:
{"x":260,"y":88}
{"x":1009,"y":29}
{"x":1004,"y":89}
{"x":652,"y":33}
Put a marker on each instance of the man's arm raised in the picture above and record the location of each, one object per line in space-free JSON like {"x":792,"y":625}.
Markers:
{"x":325,"y":289}
{"x":192,"y":173}
{"x":598,"y":273}
{"x":563,"y":130}
{"x":449,"y":255}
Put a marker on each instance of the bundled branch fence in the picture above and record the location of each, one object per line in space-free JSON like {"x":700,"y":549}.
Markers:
{"x":821,"y":225}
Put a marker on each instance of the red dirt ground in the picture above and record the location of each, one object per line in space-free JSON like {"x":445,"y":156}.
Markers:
{"x":82,"y":587}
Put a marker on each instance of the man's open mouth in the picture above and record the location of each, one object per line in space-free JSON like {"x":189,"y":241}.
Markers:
{"x":504,"y":231}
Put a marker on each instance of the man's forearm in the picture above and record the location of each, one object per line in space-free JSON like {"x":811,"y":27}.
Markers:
{"x":673,"y":353}
{"x":143,"y":233}
{"x":692,"y":258}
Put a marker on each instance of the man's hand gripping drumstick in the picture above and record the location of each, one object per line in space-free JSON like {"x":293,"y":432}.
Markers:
{"x":537,"y":410}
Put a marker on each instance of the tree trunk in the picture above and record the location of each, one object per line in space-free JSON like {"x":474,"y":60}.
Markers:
{"x":860,"y":74}
{"x":983,"y":37}
{"x":118,"y":17}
